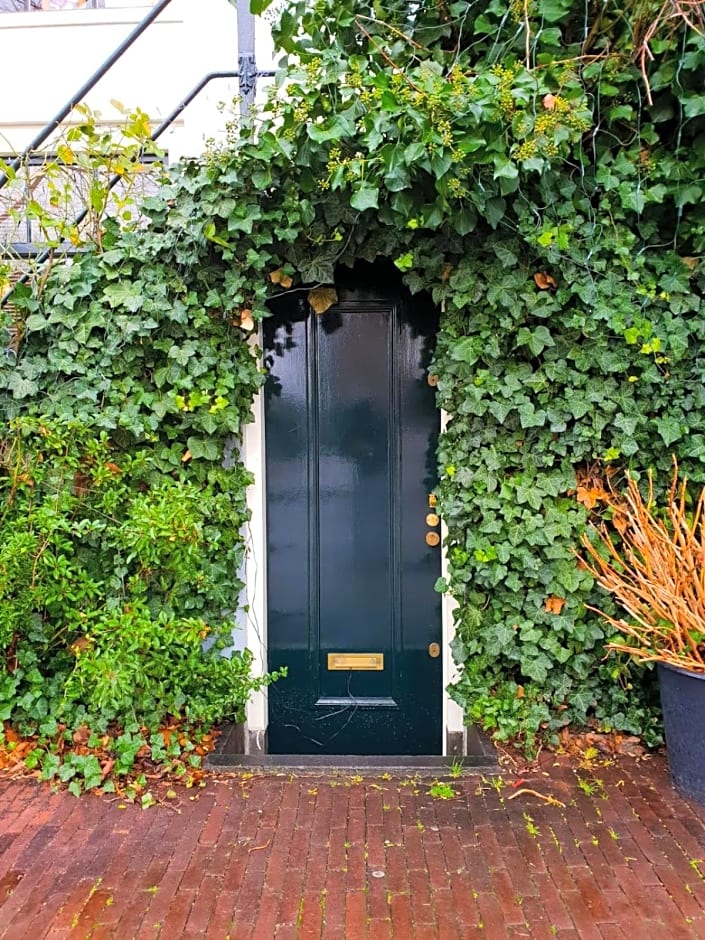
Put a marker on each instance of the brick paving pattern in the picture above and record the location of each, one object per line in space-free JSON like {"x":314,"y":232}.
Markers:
{"x":279,"y":856}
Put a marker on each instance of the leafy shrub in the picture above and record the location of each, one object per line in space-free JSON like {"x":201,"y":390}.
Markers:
{"x":109,"y":607}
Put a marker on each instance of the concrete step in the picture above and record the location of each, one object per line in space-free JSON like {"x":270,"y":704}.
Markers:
{"x":228,"y":755}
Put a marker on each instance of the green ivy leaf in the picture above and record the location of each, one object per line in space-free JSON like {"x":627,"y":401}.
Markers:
{"x":495,"y":209}
{"x":127,"y":295}
{"x":22,"y":387}
{"x":365,"y":197}
{"x":465,"y":220}
{"x":670,"y":429}
{"x":537,"y":340}
{"x":203,"y":448}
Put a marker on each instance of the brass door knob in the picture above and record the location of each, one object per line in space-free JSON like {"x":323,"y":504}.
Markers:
{"x":432,"y":538}
{"x":434,"y":650}
{"x":432,"y":519}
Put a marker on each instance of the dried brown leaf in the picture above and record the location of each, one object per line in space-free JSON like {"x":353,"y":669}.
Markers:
{"x":544,"y":281}
{"x":589,"y":496}
{"x":281,"y":278}
{"x":81,"y":483}
{"x":554,"y":604}
{"x":322,"y":298}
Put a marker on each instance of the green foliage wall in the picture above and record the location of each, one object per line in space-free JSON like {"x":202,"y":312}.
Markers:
{"x":517,"y":162}
{"x":122,"y":532}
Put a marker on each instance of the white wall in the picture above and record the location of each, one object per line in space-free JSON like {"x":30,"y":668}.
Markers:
{"x":45,"y":57}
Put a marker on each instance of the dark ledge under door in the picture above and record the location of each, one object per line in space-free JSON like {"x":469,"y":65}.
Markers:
{"x":229,"y":755}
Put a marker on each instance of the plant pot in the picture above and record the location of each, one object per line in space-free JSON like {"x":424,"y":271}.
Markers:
{"x":683,"y":705}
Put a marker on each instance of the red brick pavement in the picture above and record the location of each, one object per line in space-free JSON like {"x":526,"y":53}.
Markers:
{"x":279,"y":856}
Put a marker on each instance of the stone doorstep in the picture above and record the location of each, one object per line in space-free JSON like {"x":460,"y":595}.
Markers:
{"x":229,"y":754}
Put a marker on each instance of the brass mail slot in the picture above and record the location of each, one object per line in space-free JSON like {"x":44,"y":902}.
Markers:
{"x":367,"y":661}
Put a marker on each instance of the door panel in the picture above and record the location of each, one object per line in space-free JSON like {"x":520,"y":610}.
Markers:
{"x":356,"y":582}
{"x":351,"y":433}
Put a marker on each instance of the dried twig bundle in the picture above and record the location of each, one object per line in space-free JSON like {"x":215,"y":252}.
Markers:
{"x":671,"y":15}
{"x":656,"y":573}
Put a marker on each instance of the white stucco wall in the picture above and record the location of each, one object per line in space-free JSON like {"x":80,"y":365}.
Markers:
{"x":45,"y":57}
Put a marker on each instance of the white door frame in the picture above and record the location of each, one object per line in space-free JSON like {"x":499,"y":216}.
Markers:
{"x":254,"y":620}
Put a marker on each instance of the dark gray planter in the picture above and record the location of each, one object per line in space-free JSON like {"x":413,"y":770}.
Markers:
{"x":683,"y":704}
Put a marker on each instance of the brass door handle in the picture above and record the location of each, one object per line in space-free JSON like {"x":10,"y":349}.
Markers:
{"x":434,"y":650}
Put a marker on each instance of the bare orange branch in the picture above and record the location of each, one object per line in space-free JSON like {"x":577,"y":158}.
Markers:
{"x":690,"y":12}
{"x":656,"y":573}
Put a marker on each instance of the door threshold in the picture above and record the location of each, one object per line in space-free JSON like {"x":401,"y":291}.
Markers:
{"x":229,"y":754}
{"x":425,"y":764}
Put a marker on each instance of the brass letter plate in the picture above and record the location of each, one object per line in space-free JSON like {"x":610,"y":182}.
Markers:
{"x":366,"y":661}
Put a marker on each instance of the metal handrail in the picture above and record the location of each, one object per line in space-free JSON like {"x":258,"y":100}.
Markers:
{"x":164,"y":126}
{"x":55,"y":122}
{"x":157,"y":133}
{"x":185,"y":102}
{"x":247,"y":74}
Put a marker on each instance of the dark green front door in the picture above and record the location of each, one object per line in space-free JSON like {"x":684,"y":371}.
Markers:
{"x":351,"y":432}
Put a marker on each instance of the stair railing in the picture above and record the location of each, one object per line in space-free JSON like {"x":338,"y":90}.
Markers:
{"x":247,"y":75}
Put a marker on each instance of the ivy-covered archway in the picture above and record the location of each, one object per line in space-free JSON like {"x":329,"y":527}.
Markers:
{"x":534,"y":170}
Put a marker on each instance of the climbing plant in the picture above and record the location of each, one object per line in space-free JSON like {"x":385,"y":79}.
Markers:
{"x":95,"y":170}
{"x":539,"y":169}
{"x":122,"y":532}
